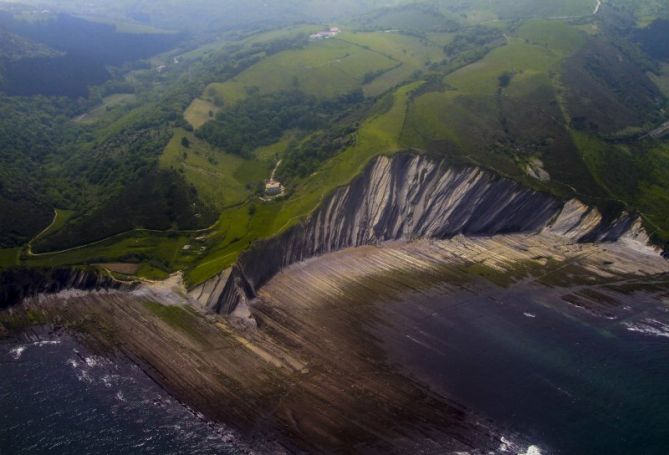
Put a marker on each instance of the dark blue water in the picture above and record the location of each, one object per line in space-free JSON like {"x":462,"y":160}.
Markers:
{"x":55,"y":397}
{"x":565,"y":380}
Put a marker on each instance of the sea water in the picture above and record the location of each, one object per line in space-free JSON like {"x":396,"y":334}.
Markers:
{"x":57,"y":397}
{"x":567,"y":381}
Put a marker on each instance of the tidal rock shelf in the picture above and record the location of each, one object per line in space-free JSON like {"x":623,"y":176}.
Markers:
{"x":487,"y":322}
{"x":587,"y":275}
{"x":341,"y":301}
{"x":412,"y":197}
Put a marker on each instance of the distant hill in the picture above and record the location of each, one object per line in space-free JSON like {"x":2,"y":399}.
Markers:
{"x":58,"y":54}
{"x":15,"y":47}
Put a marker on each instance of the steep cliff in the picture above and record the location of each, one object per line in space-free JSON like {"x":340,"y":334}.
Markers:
{"x":406,"y":197}
{"x":18,"y":284}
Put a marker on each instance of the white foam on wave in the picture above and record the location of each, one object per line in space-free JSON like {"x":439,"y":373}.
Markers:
{"x":107,"y":381}
{"x":91,"y":361}
{"x":651,"y":327}
{"x":530,"y":315}
{"x":83,"y":376}
{"x":17,"y":352}
{"x":510,"y":447}
{"x":46,"y":343}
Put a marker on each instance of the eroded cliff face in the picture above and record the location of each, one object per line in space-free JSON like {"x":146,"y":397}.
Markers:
{"x":19,"y":284}
{"x":408,"y":197}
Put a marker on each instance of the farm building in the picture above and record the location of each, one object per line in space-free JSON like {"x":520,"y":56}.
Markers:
{"x":331,"y":33}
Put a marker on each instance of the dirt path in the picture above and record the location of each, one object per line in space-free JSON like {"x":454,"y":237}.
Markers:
{"x":597,"y":7}
{"x":275,"y":169}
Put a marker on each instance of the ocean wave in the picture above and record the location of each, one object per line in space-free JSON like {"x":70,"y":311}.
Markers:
{"x":651,"y":327}
{"x":92,"y":362}
{"x":46,"y":343}
{"x":507,"y":446}
{"x":17,"y":352}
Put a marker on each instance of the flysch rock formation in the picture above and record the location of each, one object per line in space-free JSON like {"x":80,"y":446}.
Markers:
{"x":412,"y":197}
{"x":316,"y":375}
{"x":17,"y":285}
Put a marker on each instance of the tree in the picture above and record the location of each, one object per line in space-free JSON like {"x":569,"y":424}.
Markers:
{"x":185,"y":142}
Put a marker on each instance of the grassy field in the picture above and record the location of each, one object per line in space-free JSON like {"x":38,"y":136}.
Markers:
{"x":162,"y":252}
{"x":324,"y":69}
{"x":239,"y":227}
{"x":637,"y":178}
{"x":411,"y":53}
{"x":468,"y":108}
{"x":60,"y":218}
{"x":500,"y":112}
{"x":198,"y":113}
{"x":9,"y":257}
{"x":108,"y":103}
{"x":221,"y":179}
{"x":554,"y":35}
{"x":662,"y":79}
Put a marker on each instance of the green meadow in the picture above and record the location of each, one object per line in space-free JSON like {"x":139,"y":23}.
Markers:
{"x":501,"y":109}
{"x":108,"y":103}
{"x":221,"y":179}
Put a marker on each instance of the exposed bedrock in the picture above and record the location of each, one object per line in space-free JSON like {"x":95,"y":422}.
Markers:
{"x":19,"y":284}
{"x":408,"y":197}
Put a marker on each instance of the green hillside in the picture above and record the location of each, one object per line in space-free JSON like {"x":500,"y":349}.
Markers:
{"x":170,"y":169}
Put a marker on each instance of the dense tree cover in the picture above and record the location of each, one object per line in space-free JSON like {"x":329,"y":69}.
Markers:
{"x":302,"y":159}
{"x":654,"y":39}
{"x":63,"y":55}
{"x":34,"y":133}
{"x":262,"y":119}
{"x":52,"y":76}
{"x":97,"y":42}
{"x":151,"y":199}
{"x":107,"y":172}
{"x":615,"y":82}
{"x":14,"y":47}
{"x":477,"y":37}
{"x":47,"y":160}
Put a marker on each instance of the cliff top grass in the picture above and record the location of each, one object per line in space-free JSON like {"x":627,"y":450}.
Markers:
{"x":221,"y":179}
{"x":204,"y":254}
{"x":9,"y":257}
{"x":239,"y":227}
{"x":325,"y":69}
{"x":502,"y":111}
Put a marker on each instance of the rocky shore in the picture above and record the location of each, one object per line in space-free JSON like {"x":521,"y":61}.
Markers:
{"x":306,"y":370}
